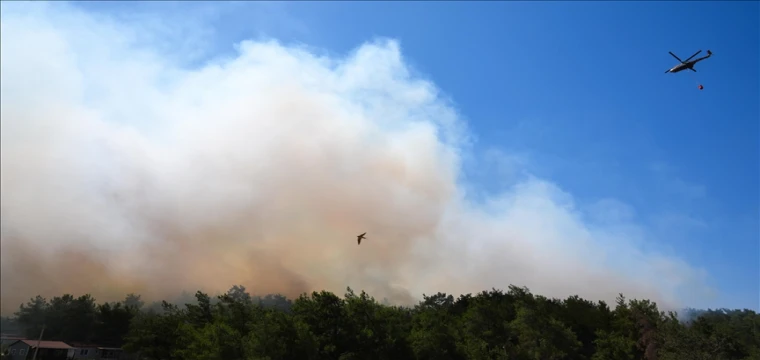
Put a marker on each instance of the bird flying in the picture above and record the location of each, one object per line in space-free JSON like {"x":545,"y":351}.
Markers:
{"x":360,"y":237}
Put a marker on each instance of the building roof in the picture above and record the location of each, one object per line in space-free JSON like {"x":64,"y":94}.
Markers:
{"x":44,"y":344}
{"x":82,"y":345}
{"x":12,"y":337}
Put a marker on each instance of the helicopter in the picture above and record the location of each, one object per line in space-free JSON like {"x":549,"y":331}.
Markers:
{"x":687,"y":64}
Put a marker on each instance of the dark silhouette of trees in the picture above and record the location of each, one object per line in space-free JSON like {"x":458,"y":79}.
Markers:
{"x":490,"y":325}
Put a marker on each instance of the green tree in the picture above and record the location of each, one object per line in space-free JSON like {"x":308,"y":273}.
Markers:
{"x":541,"y":336}
{"x":155,"y":335}
{"x":133,"y":301}
{"x":278,"y":335}
{"x":325,"y":316}
{"x":585,"y":318}
{"x":490,"y":325}
{"x":375,"y":330}
{"x":433,"y":331}
{"x":32,"y":316}
{"x":212,"y":341}
{"x":485,"y":331}
{"x":113,"y":321}
{"x":618,"y":341}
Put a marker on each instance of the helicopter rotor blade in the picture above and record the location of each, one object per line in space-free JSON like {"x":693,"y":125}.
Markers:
{"x":695,"y":54}
{"x":674,"y":55}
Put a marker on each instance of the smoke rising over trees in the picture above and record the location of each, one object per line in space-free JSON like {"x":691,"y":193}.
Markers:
{"x":125,"y":169}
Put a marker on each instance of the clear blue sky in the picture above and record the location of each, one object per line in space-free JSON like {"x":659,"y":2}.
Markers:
{"x":580,"y":88}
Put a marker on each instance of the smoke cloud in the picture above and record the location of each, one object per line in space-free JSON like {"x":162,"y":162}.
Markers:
{"x":124,"y":170}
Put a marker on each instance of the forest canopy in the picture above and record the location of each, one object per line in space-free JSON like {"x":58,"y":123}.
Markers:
{"x":495,"y":324}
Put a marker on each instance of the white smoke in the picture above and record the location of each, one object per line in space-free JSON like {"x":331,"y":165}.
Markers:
{"x":123,"y":170}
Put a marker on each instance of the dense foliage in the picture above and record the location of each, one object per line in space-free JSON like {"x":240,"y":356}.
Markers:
{"x":490,"y":325}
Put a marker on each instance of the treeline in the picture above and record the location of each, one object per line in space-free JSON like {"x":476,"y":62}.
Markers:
{"x":490,"y":325}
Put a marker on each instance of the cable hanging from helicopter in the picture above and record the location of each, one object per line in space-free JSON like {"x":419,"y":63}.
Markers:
{"x":688,"y":64}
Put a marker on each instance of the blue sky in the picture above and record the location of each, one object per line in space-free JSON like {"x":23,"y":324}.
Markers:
{"x":580,"y":87}
{"x":577,"y":90}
